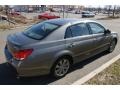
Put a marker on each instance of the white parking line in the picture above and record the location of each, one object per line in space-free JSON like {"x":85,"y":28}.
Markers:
{"x":96,"y":71}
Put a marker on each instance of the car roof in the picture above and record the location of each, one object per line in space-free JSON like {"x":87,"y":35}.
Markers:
{"x":63,"y":21}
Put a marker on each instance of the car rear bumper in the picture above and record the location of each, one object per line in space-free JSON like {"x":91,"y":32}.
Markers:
{"x":25,"y":70}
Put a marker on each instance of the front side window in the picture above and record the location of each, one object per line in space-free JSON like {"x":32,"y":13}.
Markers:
{"x":40,"y":30}
{"x":96,"y":28}
{"x":79,"y":30}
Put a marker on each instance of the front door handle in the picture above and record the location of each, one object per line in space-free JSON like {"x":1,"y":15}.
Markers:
{"x":97,"y":38}
{"x":71,"y":45}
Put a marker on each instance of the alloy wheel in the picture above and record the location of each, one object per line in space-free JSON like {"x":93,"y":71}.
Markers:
{"x":62,"y":67}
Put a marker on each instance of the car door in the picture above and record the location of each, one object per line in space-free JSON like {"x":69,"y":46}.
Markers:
{"x":79,"y":41}
{"x":101,"y":40}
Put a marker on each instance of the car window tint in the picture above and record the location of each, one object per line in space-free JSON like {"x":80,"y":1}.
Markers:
{"x":96,"y":28}
{"x":79,"y":30}
{"x":40,"y":30}
{"x":68,"y":33}
{"x":49,"y":27}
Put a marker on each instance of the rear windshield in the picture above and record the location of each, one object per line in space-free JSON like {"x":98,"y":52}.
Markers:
{"x":40,"y":30}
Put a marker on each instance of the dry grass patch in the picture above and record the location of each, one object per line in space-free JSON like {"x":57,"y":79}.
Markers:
{"x":34,"y":20}
{"x":110,"y":76}
{"x":18,"y":19}
{"x":6,"y":26}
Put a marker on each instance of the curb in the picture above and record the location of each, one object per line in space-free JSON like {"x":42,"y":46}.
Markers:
{"x":96,"y":71}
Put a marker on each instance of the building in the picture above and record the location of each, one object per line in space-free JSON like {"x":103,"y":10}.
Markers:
{"x":29,"y":8}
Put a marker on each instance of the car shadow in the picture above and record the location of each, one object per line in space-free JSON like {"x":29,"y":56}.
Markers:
{"x":87,"y":61}
{"x":8,"y":74}
{"x":8,"y":77}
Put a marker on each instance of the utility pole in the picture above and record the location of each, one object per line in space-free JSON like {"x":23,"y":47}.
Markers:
{"x":63,"y":11}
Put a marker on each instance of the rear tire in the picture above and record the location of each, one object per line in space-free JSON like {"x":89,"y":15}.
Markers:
{"x":61,"y":67}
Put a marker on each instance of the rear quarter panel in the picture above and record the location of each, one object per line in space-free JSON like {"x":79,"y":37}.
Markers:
{"x":44,"y":54}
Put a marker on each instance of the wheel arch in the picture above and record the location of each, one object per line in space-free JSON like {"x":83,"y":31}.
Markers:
{"x":115,"y":37}
{"x":116,"y":40}
{"x":64,"y":54}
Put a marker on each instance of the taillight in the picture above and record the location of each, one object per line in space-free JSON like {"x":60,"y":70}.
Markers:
{"x":22,"y":54}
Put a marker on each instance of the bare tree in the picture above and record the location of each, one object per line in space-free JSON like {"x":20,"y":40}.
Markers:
{"x":99,"y":9}
{"x":114,"y":10}
{"x":7,"y":11}
{"x":1,"y":8}
{"x":109,"y":9}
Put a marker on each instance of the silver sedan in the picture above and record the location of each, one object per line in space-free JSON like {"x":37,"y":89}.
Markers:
{"x":52,"y":46}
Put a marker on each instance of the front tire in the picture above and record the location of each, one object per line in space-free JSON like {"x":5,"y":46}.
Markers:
{"x":112,"y":46}
{"x":61,"y":68}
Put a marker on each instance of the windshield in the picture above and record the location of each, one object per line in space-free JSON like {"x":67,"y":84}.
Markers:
{"x":40,"y":30}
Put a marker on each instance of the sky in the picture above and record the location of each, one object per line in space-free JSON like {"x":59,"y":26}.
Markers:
{"x":60,"y":2}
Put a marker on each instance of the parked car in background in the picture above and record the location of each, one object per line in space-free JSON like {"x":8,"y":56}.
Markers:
{"x":47,"y":16}
{"x":77,"y":12}
{"x":14,"y":13}
{"x":87,"y":14}
{"x":52,"y":46}
{"x":95,"y":12}
{"x":3,"y":17}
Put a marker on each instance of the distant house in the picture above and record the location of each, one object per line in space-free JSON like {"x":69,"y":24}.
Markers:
{"x":29,"y":8}
{"x":20,"y":8}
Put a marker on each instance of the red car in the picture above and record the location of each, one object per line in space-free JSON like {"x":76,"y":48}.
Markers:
{"x":14,"y":13}
{"x":47,"y":16}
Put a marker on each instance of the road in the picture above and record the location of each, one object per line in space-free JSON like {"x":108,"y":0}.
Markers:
{"x":7,"y":75}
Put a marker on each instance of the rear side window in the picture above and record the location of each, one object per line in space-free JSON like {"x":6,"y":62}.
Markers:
{"x":79,"y":30}
{"x":40,"y":30}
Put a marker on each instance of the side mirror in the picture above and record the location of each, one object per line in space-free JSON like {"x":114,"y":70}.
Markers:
{"x":107,"y":31}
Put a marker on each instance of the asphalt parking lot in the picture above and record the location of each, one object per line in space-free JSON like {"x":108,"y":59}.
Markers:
{"x":7,"y":74}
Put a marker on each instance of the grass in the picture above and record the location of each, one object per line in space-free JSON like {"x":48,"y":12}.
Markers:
{"x":6,"y":26}
{"x":33,"y":21}
{"x":110,"y":76}
{"x":19,"y":19}
{"x":23,"y":20}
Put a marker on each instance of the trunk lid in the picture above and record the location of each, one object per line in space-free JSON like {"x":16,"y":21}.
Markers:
{"x":17,"y":40}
